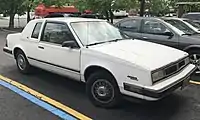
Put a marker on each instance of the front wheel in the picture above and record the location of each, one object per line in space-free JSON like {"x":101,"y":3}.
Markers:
{"x":103,"y":90}
{"x":195,"y":58}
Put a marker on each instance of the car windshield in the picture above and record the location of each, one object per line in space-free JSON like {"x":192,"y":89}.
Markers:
{"x":96,"y":32}
{"x":193,"y":24}
{"x":181,"y":26}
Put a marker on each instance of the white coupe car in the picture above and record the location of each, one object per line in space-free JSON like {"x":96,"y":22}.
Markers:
{"x":95,"y":52}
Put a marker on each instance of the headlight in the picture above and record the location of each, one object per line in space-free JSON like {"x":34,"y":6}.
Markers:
{"x":170,"y":69}
{"x":157,"y":75}
{"x":187,"y":60}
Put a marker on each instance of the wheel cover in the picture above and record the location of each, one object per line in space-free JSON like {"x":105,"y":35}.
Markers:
{"x":21,"y":62}
{"x":195,"y":59}
{"x":103,"y":91}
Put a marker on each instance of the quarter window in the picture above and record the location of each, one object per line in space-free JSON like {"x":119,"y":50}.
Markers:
{"x":36,"y":30}
{"x":57,"y":33}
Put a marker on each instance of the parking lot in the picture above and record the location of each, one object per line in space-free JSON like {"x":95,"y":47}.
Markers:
{"x":182,"y":105}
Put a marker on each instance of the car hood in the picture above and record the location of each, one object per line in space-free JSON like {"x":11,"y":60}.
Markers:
{"x":195,"y":39}
{"x":148,"y":55}
{"x":197,"y":36}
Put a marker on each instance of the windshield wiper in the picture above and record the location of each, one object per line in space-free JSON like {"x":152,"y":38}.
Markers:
{"x":187,"y":34}
{"x":96,"y":43}
{"x":115,"y":40}
{"x":196,"y":33}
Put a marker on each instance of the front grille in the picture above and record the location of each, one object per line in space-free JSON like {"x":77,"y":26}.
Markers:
{"x":175,"y":67}
{"x":171,"y":70}
{"x":181,"y":64}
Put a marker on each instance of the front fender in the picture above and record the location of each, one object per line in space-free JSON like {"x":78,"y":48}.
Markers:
{"x":105,"y":66}
{"x":191,"y":46}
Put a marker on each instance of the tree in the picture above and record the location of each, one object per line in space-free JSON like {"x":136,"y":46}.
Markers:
{"x":159,"y":7}
{"x":107,"y":7}
{"x":10,"y":8}
{"x":30,"y":4}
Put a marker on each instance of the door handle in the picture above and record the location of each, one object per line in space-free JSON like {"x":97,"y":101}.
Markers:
{"x":40,"y":47}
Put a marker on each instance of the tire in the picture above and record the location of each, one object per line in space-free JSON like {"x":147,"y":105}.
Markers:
{"x":22,"y":62}
{"x":196,"y":62}
{"x":102,"y":90}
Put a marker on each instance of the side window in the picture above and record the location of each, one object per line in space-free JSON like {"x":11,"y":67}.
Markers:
{"x":153,"y":27}
{"x":131,"y":25}
{"x":57,"y":33}
{"x":189,"y":16}
{"x":36,"y":30}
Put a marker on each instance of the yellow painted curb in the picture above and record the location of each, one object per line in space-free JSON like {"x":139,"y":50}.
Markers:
{"x":194,"y":82}
{"x":46,"y":99}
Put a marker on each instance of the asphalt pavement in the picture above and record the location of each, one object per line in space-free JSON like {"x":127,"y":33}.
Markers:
{"x":181,"y":105}
{"x":15,"y":107}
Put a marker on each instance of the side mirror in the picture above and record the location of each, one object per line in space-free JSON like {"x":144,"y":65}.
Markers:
{"x":69,"y":44}
{"x":169,"y":33}
{"x":117,"y":25}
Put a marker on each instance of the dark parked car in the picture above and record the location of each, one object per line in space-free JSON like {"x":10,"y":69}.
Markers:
{"x":163,"y":31}
{"x":195,"y":16}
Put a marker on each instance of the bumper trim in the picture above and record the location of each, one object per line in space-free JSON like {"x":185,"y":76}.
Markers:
{"x":7,"y":50}
{"x":157,"y":93}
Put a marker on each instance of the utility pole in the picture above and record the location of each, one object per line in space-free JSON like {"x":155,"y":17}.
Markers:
{"x":142,"y":7}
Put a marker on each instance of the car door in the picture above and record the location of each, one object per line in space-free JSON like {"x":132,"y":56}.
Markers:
{"x":31,"y":40}
{"x":59,"y":59}
{"x":131,"y":28}
{"x":155,"y":31}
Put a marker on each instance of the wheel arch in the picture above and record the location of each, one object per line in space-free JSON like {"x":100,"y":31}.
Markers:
{"x":17,"y":48}
{"x":93,"y":68}
{"x":192,"y":47}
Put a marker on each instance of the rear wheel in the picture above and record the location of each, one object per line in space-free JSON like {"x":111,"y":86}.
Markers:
{"x":22,"y":62}
{"x":103,"y":90}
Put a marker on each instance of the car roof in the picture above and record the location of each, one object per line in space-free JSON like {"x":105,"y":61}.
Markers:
{"x":173,"y":18}
{"x":139,"y":18}
{"x":70,"y":19}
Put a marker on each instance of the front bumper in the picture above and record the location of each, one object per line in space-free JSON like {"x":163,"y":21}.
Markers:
{"x":7,"y":50}
{"x":163,"y":88}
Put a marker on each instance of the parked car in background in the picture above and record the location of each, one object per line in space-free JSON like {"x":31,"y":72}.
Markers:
{"x":164,"y":31}
{"x":193,"y":16}
{"x":191,"y":22}
{"x":57,"y":15}
{"x":96,"y":16}
{"x":171,"y":15}
{"x":111,"y":64}
{"x":120,"y":13}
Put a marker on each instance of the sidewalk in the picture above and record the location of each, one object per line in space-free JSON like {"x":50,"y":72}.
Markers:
{"x":4,"y":22}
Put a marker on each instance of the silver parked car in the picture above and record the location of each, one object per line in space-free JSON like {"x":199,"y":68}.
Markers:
{"x":195,"y":16}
